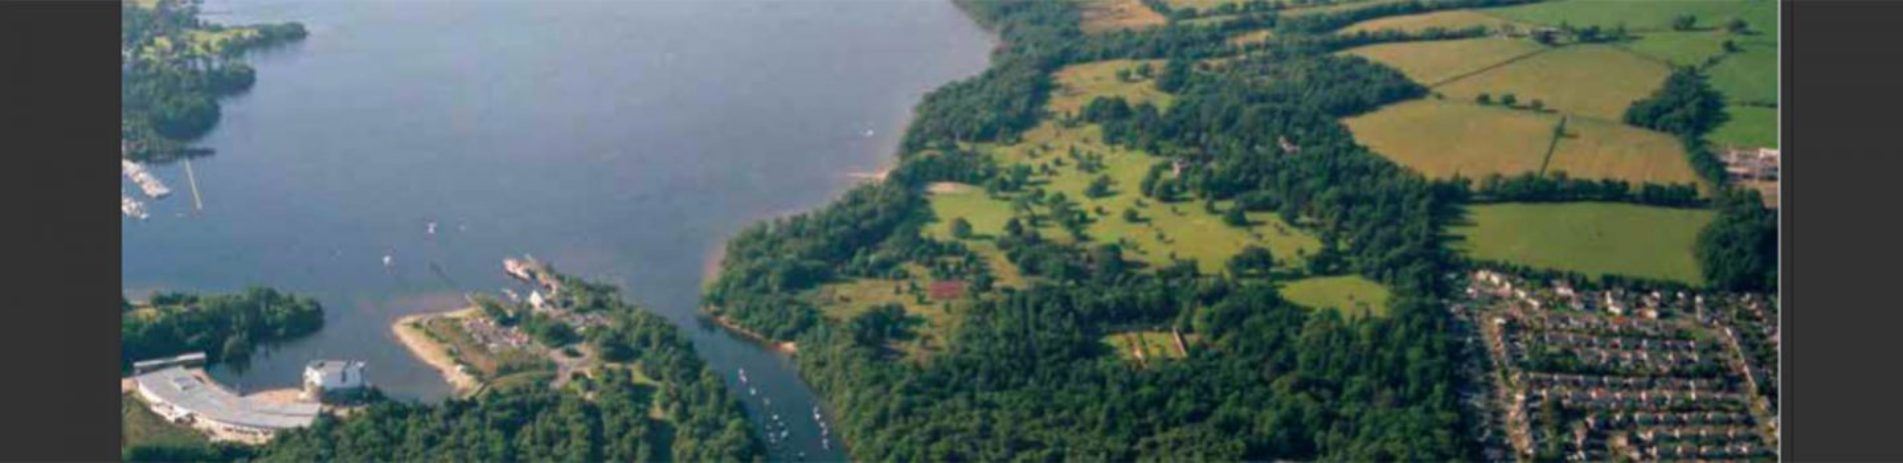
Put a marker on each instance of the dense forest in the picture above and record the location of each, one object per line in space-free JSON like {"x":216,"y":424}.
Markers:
{"x":174,"y":69}
{"x":1027,"y":374}
{"x":226,"y":327}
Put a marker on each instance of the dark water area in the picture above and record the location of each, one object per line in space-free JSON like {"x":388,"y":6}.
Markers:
{"x":621,"y":141}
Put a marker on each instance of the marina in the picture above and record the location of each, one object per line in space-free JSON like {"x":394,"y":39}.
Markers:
{"x":148,"y":183}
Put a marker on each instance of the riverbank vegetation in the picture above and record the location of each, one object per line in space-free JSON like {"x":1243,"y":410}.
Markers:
{"x":174,"y":68}
{"x":226,"y":327}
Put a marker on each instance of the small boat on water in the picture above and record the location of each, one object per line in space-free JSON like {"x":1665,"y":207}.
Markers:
{"x":431,"y":228}
{"x":387,"y":260}
{"x":743,"y":375}
{"x":752,"y":391}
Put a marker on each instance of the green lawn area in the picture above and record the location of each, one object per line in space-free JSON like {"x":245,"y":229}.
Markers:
{"x":1591,"y":80}
{"x":1442,"y":138}
{"x":1604,"y":149}
{"x":1449,"y":20}
{"x":1590,"y":238}
{"x":1643,"y":15}
{"x":138,"y":425}
{"x":986,"y":214}
{"x":1182,"y":230}
{"x":1748,"y":126}
{"x":1353,"y":295}
{"x":1078,"y":84}
{"x":1432,"y":62}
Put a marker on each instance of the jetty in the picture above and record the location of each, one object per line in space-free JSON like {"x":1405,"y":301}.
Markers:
{"x":139,"y":175}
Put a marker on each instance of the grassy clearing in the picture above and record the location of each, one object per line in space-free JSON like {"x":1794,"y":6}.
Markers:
{"x":1443,"y":138}
{"x":841,"y":301}
{"x":1590,"y":238}
{"x":1109,"y":15}
{"x":1353,"y":295}
{"x":1590,"y":80}
{"x":1166,"y":231}
{"x":1643,"y":15}
{"x":139,"y":426}
{"x":1603,"y":149}
{"x":1748,"y":126}
{"x":1153,"y":345}
{"x":1450,"y":20}
{"x":1078,"y":84}
{"x":1436,"y":61}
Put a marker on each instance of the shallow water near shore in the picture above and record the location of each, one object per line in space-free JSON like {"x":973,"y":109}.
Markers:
{"x":619,"y":141}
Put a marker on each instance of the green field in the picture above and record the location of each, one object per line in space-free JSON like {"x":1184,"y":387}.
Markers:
{"x":1590,"y":238}
{"x":1078,"y":84}
{"x":1449,"y":20}
{"x":1748,"y":76}
{"x":1644,"y":15}
{"x":1604,"y":149}
{"x":1443,"y":138}
{"x":1353,"y":295}
{"x":1181,"y":230}
{"x":139,"y":426}
{"x":1690,"y":48}
{"x":1591,"y":80}
{"x":1432,"y":62}
{"x":1749,"y":126}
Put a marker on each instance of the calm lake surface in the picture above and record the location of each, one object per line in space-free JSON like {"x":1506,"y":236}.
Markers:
{"x":620,"y":141}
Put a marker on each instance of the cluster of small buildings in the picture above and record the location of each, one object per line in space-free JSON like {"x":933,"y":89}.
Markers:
{"x":179,"y":390}
{"x":1751,"y":164}
{"x":1616,"y":373}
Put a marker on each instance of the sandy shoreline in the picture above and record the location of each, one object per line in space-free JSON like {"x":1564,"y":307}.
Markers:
{"x":788,"y":347}
{"x":432,"y":353}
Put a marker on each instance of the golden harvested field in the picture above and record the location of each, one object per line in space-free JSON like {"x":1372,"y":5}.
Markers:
{"x":1109,"y":15}
{"x":1450,"y":20}
{"x":1201,"y":5}
{"x":1603,"y":149}
{"x":1254,"y":36}
{"x":1433,"y":62}
{"x":1444,"y":138}
{"x":1590,"y":80}
{"x":1078,"y":84}
{"x":1345,"y":5}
